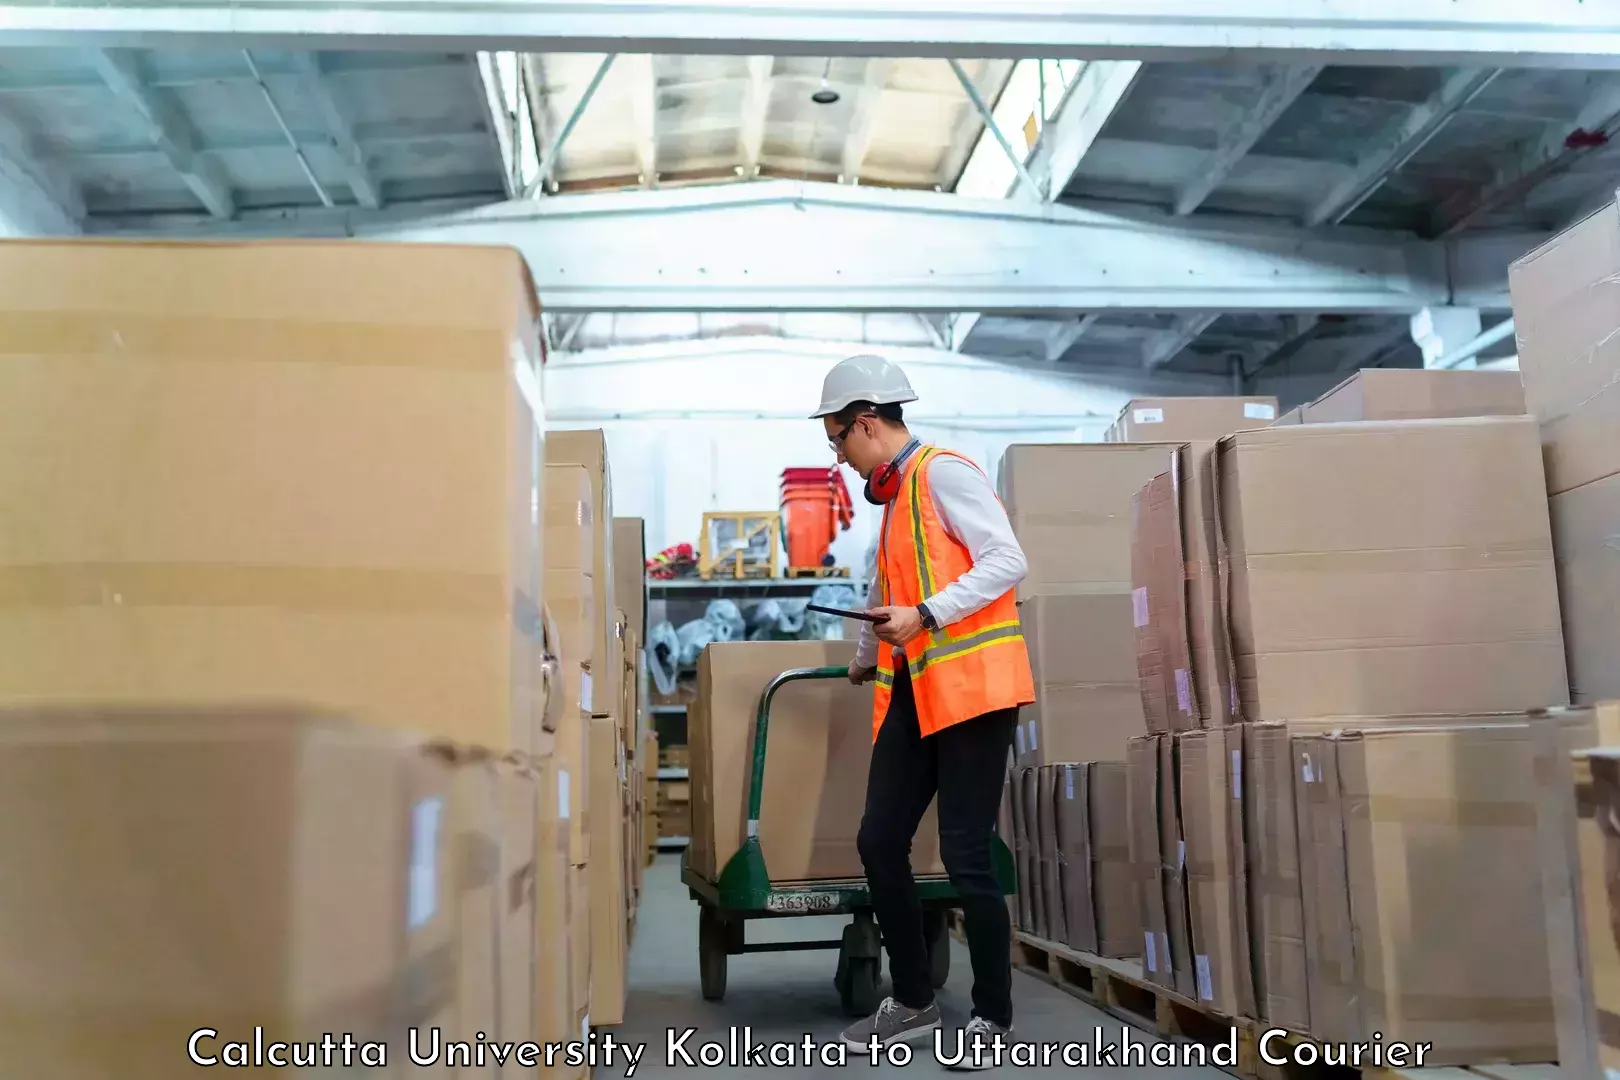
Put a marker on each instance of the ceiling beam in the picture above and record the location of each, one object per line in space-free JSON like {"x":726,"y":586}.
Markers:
{"x":1495,"y":33}
{"x":642,"y":78}
{"x":1165,"y":346}
{"x":366,"y":135}
{"x":1065,"y":334}
{"x":863,"y":118}
{"x":169,"y":129}
{"x":35,"y":191}
{"x":1072,"y":131}
{"x":961,"y":326}
{"x":362,"y":182}
{"x":1398,"y":145}
{"x":1556,"y":151}
{"x":784,"y":245}
{"x":991,"y":81}
{"x":756,"y":113}
{"x":1283,"y":86}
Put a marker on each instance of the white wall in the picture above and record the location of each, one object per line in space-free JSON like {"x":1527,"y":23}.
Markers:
{"x":710,"y":425}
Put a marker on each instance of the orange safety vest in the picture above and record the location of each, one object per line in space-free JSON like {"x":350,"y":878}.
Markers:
{"x":974,"y":666}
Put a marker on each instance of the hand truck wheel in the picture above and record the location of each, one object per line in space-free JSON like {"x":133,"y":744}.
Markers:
{"x":712,"y":935}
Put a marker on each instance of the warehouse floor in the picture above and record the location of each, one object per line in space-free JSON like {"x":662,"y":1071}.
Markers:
{"x":784,"y":996}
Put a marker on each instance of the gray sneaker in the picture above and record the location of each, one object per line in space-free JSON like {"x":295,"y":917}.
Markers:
{"x":893,"y":1023}
{"x":983,"y":1033}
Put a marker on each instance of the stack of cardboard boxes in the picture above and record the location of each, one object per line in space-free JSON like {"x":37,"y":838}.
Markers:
{"x":1344,"y":618}
{"x":1073,"y":507}
{"x":310,"y":474}
{"x":1565,"y":320}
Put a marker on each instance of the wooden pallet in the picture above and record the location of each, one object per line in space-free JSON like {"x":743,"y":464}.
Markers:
{"x":818,"y":571}
{"x":1120,"y":988}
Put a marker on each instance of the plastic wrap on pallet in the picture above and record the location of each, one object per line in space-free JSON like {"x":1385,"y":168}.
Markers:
{"x":663,"y":656}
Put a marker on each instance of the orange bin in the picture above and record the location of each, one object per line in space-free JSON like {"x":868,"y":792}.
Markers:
{"x":815,"y":508}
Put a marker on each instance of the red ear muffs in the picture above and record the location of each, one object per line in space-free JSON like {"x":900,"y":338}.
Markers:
{"x":884,"y":485}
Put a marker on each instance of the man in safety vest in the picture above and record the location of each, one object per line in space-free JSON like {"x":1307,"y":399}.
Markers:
{"x":951,"y":672}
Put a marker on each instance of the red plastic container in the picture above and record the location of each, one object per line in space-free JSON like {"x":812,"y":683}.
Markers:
{"x":815,"y":508}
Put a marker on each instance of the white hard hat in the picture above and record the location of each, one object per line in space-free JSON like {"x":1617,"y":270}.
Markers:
{"x":863,"y":378}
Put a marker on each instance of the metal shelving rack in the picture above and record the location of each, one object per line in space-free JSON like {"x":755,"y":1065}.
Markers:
{"x":695,"y":589}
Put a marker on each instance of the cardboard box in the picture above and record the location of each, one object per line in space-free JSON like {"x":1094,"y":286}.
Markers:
{"x":1174,"y":869}
{"x":517,"y":896}
{"x":1439,"y":931}
{"x":1097,"y":885}
{"x":1283,"y":949}
{"x":588,"y":449}
{"x":342,"y":884}
{"x":608,"y":884}
{"x":1150,"y":855}
{"x":1296,"y":415}
{"x":1571,"y":841}
{"x":581,"y":954}
{"x":1159,"y":609}
{"x":476,"y":825}
{"x":630,"y":571}
{"x":1031,"y":879}
{"x":1070,"y":505}
{"x":1569,"y":358}
{"x":1419,"y":580}
{"x":302,"y":469}
{"x":554,"y":958}
{"x":1565,"y":320}
{"x":1055,"y":927}
{"x":1585,"y":521}
{"x":1211,"y":804}
{"x":1184,"y":419}
{"x":1088,"y":700}
{"x":1596,"y":781}
{"x":818,"y":752}
{"x":1418,"y":394}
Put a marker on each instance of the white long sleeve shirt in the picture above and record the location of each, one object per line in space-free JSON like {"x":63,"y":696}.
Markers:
{"x":973,"y":516}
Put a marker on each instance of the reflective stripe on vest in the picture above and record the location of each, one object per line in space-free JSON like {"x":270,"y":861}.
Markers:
{"x":972,"y":667}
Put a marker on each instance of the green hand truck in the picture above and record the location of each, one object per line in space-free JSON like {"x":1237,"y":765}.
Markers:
{"x":745,"y":892}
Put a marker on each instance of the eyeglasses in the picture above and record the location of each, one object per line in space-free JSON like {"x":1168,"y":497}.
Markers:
{"x":836,"y":443}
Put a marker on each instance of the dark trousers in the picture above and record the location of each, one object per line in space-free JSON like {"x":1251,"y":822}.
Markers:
{"x":966,"y":765}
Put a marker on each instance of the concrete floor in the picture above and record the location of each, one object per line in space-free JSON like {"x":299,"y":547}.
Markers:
{"x":785,"y":996}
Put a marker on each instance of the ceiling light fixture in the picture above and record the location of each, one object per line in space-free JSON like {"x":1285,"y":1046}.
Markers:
{"x":825,"y":94}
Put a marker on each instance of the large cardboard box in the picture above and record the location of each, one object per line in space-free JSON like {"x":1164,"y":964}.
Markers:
{"x":608,"y":885}
{"x":1184,"y":419}
{"x":1565,"y":321}
{"x":1418,"y":394}
{"x":1031,"y":879}
{"x":1158,"y":859}
{"x":1387,"y":568}
{"x":1053,"y":926}
{"x":1425,"y":837}
{"x":1211,"y":805}
{"x":517,"y":901}
{"x":122,"y":936}
{"x":818,"y":750}
{"x":570,"y":590}
{"x":1070,"y":505}
{"x":1285,"y":956}
{"x":1571,"y":842}
{"x":1184,"y":658}
{"x":1596,"y":791}
{"x":630,"y":571}
{"x":554,"y":959}
{"x":1097,"y":883}
{"x":588,"y":449}
{"x":284,"y":471}
{"x":1088,"y":703}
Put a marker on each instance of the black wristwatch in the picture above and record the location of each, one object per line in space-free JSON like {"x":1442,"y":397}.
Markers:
{"x":928,"y":620}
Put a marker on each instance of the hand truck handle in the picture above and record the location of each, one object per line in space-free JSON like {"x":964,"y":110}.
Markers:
{"x":762,"y":722}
